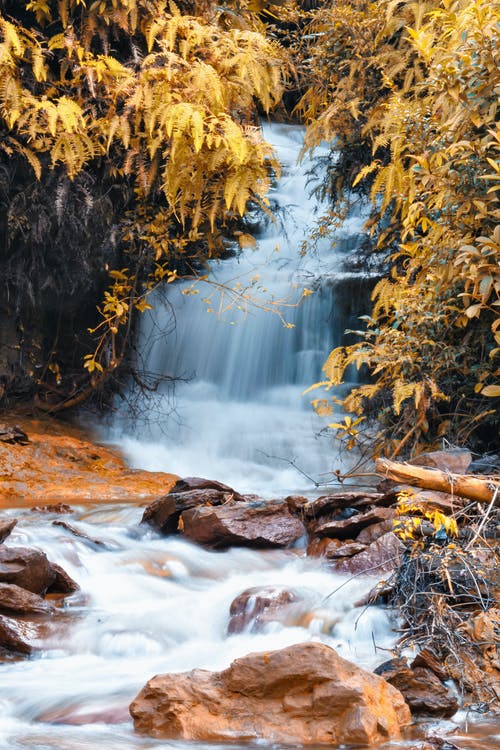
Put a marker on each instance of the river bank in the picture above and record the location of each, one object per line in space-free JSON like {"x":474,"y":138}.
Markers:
{"x":153,"y":600}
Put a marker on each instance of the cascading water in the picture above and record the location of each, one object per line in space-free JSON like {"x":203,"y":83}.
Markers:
{"x":241,"y":416}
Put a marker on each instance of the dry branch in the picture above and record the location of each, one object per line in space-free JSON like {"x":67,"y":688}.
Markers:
{"x":471,"y":487}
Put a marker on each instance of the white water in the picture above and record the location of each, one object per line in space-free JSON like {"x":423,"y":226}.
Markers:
{"x":242,"y":417}
{"x":150,"y":605}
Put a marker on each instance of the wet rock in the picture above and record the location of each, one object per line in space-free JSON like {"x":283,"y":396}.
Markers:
{"x":254,"y":608}
{"x":6,"y":528}
{"x":375,"y":531}
{"x":428,"y":498}
{"x":381,"y":556}
{"x":12,"y":637}
{"x":62,"y":583}
{"x":27,"y":568}
{"x":187,"y":484}
{"x":303,"y":694}
{"x":295,"y":503}
{"x":95,"y":543}
{"x":15,"y":599}
{"x":456,"y":460}
{"x":52,"y":508}
{"x":256,"y":524}
{"x":423,"y":690}
{"x":164,"y":513}
{"x":328,"y":505}
{"x":348,"y":528}
{"x":427,"y":659}
{"x":332,"y":548}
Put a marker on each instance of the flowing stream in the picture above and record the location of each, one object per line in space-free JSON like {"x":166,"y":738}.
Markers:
{"x":149,"y":604}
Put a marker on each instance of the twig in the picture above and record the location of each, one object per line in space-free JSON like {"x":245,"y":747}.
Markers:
{"x":484,"y":518}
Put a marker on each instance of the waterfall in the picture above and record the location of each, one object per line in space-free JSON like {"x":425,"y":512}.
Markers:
{"x":238,"y":413}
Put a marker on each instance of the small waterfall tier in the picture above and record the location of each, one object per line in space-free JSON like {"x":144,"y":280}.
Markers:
{"x":236,"y":410}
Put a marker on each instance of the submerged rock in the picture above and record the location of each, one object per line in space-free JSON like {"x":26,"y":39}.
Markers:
{"x":303,"y":694}
{"x":249,"y":524}
{"x":254,"y":608}
{"x":12,"y":637}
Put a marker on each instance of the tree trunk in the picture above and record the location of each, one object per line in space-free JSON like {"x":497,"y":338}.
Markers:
{"x":472,"y":487}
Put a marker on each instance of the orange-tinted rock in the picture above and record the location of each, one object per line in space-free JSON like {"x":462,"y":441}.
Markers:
{"x":256,"y":607}
{"x":348,"y":528}
{"x":323,"y":547}
{"x":430,"y":661}
{"x":187,"y":484}
{"x":60,"y":464}
{"x":256,"y":524}
{"x":27,"y":568}
{"x":295,"y":503}
{"x":95,"y":543}
{"x":15,"y":599}
{"x":6,"y":527}
{"x":422,"y":689}
{"x":164,"y":513}
{"x":381,"y":556}
{"x":303,"y":694}
{"x":455,"y":460}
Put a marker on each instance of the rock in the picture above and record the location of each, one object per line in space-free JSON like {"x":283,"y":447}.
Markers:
{"x":423,"y":691}
{"x":375,"y":531}
{"x":256,"y":524}
{"x":62,"y":583}
{"x":187,"y":484}
{"x":54,"y":508}
{"x":27,"y":568}
{"x":256,"y":607}
{"x":381,"y":556}
{"x":95,"y":543}
{"x":15,"y":599}
{"x":332,"y":548}
{"x":348,"y":528}
{"x":456,"y":460}
{"x":6,"y":527}
{"x":11,"y":637}
{"x":429,"y":498}
{"x":164,"y":513}
{"x":327,"y":505}
{"x":295,"y":503}
{"x":426,"y":658}
{"x":303,"y":694}
{"x":13,"y":434}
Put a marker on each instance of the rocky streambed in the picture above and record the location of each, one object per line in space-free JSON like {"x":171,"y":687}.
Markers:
{"x":271,"y":620}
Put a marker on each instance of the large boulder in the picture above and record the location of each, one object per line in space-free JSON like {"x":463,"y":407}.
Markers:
{"x":27,"y":568}
{"x":164,"y":513}
{"x":257,"y":524}
{"x":303,"y":694}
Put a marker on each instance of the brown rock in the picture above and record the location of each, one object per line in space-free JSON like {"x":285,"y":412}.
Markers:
{"x":62,"y":583}
{"x":323,"y":547}
{"x":303,"y":694}
{"x":15,"y":599}
{"x":329,"y":504}
{"x":5,"y":528}
{"x":295,"y":503}
{"x":12,"y":637}
{"x":256,"y":524}
{"x":456,"y":460}
{"x":423,"y":691}
{"x":27,"y":568}
{"x":381,"y":556}
{"x":348,"y":528}
{"x":256,"y":607}
{"x":164,"y":513}
{"x":426,"y":658}
{"x":80,"y":534}
{"x":187,"y":484}
{"x":428,"y":498}
{"x":375,"y":531}
{"x":52,"y":508}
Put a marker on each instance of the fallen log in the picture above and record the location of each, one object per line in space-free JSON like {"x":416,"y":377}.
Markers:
{"x":482,"y":489}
